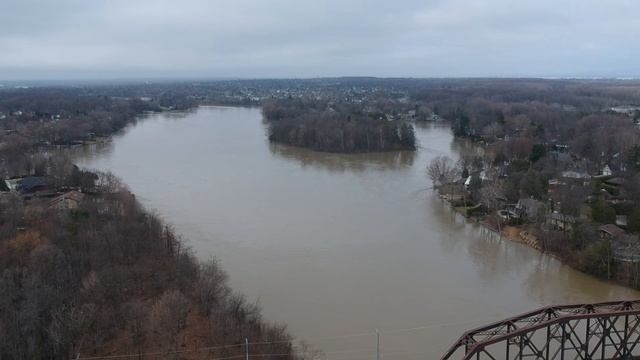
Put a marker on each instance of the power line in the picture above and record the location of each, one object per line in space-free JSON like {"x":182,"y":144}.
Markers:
{"x":426,"y":327}
{"x":372,"y":354}
{"x":246,"y":343}
{"x":383,"y":355}
{"x":162,"y":353}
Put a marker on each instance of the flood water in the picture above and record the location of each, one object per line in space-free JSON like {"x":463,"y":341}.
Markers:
{"x":335,"y":246}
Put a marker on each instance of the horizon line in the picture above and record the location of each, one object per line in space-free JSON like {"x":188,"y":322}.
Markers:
{"x":165,"y":79}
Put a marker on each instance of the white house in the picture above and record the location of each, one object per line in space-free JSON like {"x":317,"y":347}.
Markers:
{"x":13,"y":184}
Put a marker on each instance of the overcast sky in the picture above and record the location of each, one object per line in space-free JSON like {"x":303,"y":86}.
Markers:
{"x":59,"y":39}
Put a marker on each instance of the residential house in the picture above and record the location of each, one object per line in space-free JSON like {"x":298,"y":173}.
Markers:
{"x":615,"y":182}
{"x":554,"y":184}
{"x":625,"y":247}
{"x":575,"y":175}
{"x":12,"y":184}
{"x":561,"y":148}
{"x":434,"y":117}
{"x":622,"y":220}
{"x":28,"y":184}
{"x":67,"y":201}
{"x":528,"y":209}
{"x":611,"y":232}
{"x":561,"y":221}
{"x":482,"y":175}
{"x":613,"y":191}
{"x":625,"y":109}
{"x":33,"y":184}
{"x":467,"y":183}
{"x":617,"y":164}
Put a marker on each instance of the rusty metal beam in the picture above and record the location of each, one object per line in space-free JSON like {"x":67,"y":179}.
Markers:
{"x":603,"y":333}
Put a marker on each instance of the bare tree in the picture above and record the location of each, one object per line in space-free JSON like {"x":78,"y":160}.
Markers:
{"x":493,"y":131}
{"x":168,"y":317}
{"x":68,"y":324}
{"x":308,"y":352}
{"x":490,"y":193}
{"x":136,"y":314}
{"x":211,"y":286}
{"x":441,"y":170}
{"x":109,"y":183}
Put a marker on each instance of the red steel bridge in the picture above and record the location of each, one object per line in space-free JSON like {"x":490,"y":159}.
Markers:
{"x":608,"y":330}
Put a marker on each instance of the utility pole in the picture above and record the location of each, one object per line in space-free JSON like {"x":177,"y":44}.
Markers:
{"x":377,"y":344}
{"x":246,"y":348}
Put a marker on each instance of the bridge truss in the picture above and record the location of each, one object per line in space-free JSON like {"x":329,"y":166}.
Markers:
{"x":608,"y":330}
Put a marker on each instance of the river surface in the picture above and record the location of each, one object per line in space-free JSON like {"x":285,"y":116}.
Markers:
{"x":335,"y":246}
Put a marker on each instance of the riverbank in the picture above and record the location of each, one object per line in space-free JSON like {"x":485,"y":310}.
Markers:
{"x":627,"y":271}
{"x":513,"y":233}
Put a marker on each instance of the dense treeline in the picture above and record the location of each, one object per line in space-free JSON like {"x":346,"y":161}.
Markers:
{"x":42,"y":118}
{"x":63,"y":116}
{"x":321,"y":126}
{"x":107,"y":277}
{"x":588,"y":116}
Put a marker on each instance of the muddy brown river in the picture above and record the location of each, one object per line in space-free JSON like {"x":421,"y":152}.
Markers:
{"x":335,"y":246}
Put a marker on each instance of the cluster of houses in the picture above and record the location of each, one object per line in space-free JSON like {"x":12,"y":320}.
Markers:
{"x":629,"y":110}
{"x":41,"y":192}
{"x":625,"y":246}
{"x":41,"y":187}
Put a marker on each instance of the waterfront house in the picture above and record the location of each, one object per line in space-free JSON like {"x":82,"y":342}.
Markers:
{"x":528,"y":209}
{"x":561,"y":221}
{"x":625,"y":246}
{"x":611,"y":232}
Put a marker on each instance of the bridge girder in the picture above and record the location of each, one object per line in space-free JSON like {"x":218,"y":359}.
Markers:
{"x":607,"y":330}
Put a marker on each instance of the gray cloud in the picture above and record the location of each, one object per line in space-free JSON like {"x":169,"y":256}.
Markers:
{"x":304,"y":38}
